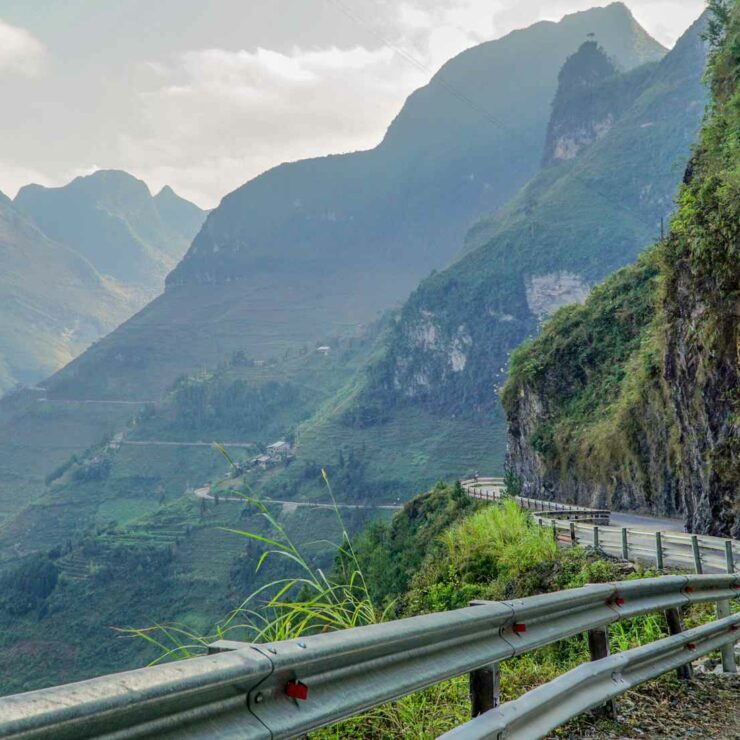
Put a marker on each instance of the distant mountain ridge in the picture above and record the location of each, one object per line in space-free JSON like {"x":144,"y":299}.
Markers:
{"x":316,"y":247}
{"x":112,"y":219}
{"x":576,"y":221}
{"x":442,"y":163}
{"x":53,"y":303}
{"x":77,"y":261}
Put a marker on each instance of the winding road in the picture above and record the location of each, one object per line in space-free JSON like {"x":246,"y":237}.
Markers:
{"x":646,"y":523}
{"x":288,"y":506}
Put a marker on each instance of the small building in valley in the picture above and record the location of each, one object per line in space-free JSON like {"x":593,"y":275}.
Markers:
{"x":279,"y":450}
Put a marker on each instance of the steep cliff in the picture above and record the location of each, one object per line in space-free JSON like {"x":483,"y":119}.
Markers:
{"x":578,"y":220}
{"x":632,"y":399}
{"x":591,"y":95}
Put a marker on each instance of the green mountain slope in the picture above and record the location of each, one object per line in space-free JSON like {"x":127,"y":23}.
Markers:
{"x":394,"y":449}
{"x":54,"y":304}
{"x":130,"y":508}
{"x":632,"y":399}
{"x":312,"y":247}
{"x":113,"y":221}
{"x":287,"y":303}
{"x":576,"y":221}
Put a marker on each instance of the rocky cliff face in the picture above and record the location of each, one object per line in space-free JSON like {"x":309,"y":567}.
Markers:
{"x":590,"y":98}
{"x":574,"y":223}
{"x":632,"y":400}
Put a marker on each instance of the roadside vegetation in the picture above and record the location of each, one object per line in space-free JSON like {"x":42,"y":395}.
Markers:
{"x":446,"y":549}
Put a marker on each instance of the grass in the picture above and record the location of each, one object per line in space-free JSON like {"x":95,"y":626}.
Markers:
{"x":305,"y":601}
{"x":498,"y":539}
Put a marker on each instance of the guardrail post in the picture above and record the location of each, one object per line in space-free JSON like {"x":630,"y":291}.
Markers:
{"x":625,"y":545}
{"x":596,"y":537}
{"x":598,"y":647}
{"x":484,"y":686}
{"x":554,"y":531}
{"x":673,"y":618}
{"x":727,"y":651}
{"x":697,"y":554}
{"x":658,"y":551}
{"x":485,"y":690}
{"x":573,"y":534}
{"x":729,"y":557}
{"x":723,"y":610}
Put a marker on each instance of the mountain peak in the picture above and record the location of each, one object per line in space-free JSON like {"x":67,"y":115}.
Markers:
{"x":111,"y":218}
{"x":585,"y":105}
{"x":589,"y":66}
{"x":166,"y":192}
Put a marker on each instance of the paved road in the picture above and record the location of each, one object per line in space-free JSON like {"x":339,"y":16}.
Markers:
{"x":89,"y":401}
{"x":646,"y":523}
{"x":205,"y":493}
{"x":165,"y":443}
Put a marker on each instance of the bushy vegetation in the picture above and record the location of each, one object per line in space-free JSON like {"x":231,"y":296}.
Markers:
{"x":26,"y":588}
{"x":391,"y":553}
{"x":484,"y":551}
{"x":205,"y":407}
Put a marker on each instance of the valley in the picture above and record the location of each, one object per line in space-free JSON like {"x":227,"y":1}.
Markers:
{"x":361,"y":312}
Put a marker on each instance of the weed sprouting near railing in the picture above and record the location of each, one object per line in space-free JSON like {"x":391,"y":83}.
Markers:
{"x":308,"y":602}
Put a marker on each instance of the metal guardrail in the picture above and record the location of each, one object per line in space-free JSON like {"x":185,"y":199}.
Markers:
{"x":285,"y":689}
{"x":700,"y":553}
{"x":491,"y":489}
{"x":588,"y":686}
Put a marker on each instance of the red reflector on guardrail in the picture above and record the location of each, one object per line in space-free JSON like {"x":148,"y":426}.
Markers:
{"x":734,"y":628}
{"x":519,"y":628}
{"x":691,"y":646}
{"x":689,"y":590}
{"x":619,"y":601}
{"x":296,"y":690}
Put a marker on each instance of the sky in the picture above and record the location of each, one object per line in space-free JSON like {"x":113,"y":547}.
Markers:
{"x":205,"y":95}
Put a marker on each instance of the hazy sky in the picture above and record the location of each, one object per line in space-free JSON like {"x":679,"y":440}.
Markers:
{"x":206,"y":94}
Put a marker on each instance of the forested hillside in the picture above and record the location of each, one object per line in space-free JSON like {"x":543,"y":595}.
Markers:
{"x":632,"y":399}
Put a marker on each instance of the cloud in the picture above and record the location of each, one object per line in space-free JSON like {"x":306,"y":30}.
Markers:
{"x":216,"y":118}
{"x":207,"y":119}
{"x":219,"y":116}
{"x":20,"y":51}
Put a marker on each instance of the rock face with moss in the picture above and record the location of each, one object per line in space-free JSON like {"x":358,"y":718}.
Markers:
{"x":631,"y":400}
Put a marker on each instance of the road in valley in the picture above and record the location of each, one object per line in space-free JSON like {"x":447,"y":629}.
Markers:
{"x":288,"y":506}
